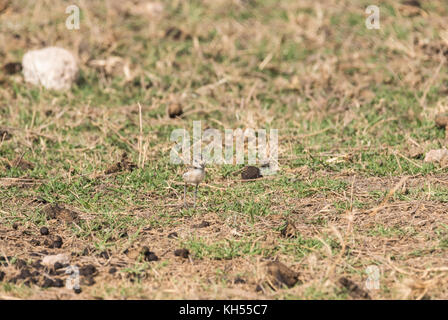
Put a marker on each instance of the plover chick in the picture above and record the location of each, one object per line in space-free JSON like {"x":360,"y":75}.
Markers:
{"x":194,"y":176}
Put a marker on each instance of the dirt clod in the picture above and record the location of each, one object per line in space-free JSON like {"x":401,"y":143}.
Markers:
{"x":173,"y":235}
{"x":174,"y":110}
{"x":24,"y":274}
{"x":50,"y":260}
{"x":123,"y":165}
{"x":12,"y":67}
{"x":250,"y":172}
{"x":176,"y":34}
{"x":239,"y":280}
{"x":123,"y":234}
{"x":113,"y":270}
{"x":44,"y":231}
{"x":437,"y":155}
{"x":147,"y":254}
{"x":22,"y":164}
{"x":58,"y":266}
{"x":441,"y":120}
{"x":412,"y":3}
{"x":4,"y":135}
{"x":55,"y":211}
{"x":353,"y":289}
{"x":58,"y":283}
{"x":278,"y":274}
{"x":289,"y":230}
{"x":57,"y":243}
{"x":47,"y":283}
{"x":87,"y":270}
{"x":105,"y":255}
{"x":259,"y":288}
{"x":145,"y":250}
{"x":203,"y":224}
{"x":37,"y":265}
{"x":151,"y":256}
{"x":88,"y":281}
{"x":184,"y":253}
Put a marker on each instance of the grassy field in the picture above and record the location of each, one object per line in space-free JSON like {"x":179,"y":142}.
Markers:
{"x":355,"y":111}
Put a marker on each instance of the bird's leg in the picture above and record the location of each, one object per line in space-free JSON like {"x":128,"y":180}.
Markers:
{"x":195,"y":193}
{"x":185,"y":195}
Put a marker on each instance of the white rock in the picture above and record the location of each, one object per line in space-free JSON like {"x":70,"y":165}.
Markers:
{"x":62,"y":258}
{"x":52,"y":67}
{"x":438,"y":155}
